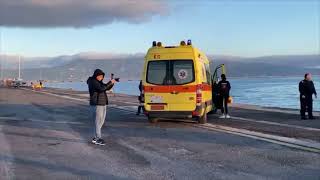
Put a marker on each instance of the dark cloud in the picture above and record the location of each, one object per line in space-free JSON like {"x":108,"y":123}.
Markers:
{"x":76,"y":13}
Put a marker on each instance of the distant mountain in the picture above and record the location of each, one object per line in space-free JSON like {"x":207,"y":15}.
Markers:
{"x":291,"y":65}
{"x":11,"y":62}
{"x":80,"y":66}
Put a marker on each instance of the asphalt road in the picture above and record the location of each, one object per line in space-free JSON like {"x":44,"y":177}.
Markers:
{"x":47,"y":137}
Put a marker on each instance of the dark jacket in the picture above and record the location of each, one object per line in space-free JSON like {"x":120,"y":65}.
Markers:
{"x":140,"y":86}
{"x":306,"y":88}
{"x":97,"y":89}
{"x":224,"y":88}
{"x":141,"y":96}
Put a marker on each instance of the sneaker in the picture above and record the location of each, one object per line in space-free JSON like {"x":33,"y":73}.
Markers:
{"x":303,"y":118}
{"x":100,"y":142}
{"x":222,"y":116}
{"x":94,"y":140}
{"x":227,"y":116}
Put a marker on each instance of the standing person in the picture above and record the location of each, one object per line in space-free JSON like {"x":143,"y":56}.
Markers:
{"x":224,"y":92}
{"x":98,"y":102}
{"x":141,"y":99}
{"x":306,"y":89}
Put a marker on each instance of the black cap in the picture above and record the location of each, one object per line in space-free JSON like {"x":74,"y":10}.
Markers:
{"x":98,"y":72}
{"x":305,"y":76}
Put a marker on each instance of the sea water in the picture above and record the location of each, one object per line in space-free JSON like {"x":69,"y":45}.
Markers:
{"x":267,"y":91}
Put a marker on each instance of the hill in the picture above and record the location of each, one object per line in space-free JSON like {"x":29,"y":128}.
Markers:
{"x":80,"y":66}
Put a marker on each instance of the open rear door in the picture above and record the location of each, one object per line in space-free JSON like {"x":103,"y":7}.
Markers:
{"x":220,"y":69}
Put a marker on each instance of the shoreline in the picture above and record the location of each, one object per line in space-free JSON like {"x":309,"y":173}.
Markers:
{"x":238,"y":105}
{"x":230,"y":77}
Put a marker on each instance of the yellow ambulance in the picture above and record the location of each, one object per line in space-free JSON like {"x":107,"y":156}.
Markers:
{"x":177,"y":82}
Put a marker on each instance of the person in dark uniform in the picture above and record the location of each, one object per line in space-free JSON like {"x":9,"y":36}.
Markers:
{"x":141,"y":99}
{"x":306,"y":89}
{"x":224,"y":88}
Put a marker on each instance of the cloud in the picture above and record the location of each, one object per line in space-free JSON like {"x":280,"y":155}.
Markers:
{"x":77,"y":13}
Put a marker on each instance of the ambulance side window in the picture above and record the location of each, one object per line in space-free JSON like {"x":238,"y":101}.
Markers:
{"x":208,"y":73}
{"x":203,"y":69}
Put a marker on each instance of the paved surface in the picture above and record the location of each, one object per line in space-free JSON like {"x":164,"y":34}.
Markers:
{"x":46,"y":137}
{"x":256,"y":119}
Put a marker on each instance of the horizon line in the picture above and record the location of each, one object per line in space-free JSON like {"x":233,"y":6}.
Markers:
{"x":111,"y":54}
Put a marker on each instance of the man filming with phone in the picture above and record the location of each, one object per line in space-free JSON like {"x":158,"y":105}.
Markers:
{"x":99,"y":101}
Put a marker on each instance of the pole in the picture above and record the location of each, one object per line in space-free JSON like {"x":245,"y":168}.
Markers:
{"x":40,"y":77}
{"x":1,"y":57}
{"x":19,"y":68}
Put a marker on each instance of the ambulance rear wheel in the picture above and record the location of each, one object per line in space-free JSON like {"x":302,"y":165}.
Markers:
{"x":203,"y":119}
{"x":152,"y":120}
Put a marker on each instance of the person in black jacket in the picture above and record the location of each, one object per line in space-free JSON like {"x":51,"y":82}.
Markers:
{"x":98,"y":102}
{"x":306,"y":89}
{"x":224,"y":88}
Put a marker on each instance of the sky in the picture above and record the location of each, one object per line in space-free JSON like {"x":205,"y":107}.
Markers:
{"x":248,"y":28}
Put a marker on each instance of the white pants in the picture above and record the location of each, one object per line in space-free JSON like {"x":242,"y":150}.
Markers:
{"x":99,"y":116}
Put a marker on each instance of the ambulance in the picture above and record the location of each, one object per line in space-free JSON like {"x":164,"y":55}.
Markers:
{"x":177,"y":83}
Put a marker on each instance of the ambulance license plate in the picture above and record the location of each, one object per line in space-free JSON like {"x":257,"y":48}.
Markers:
{"x":157,"y":107}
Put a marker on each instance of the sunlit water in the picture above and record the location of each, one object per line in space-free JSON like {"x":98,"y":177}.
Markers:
{"x":268,"y":91}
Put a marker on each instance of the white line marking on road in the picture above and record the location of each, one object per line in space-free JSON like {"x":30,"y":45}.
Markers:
{"x":274,"y":123}
{"x":268,"y":109}
{"x":38,"y":120}
{"x":124,"y":102}
{"x":56,"y":95}
{"x":123,"y":110}
{"x":128,"y":108}
{"x":312,"y":146}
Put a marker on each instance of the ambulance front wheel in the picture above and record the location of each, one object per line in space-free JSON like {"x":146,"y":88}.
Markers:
{"x":152,"y":120}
